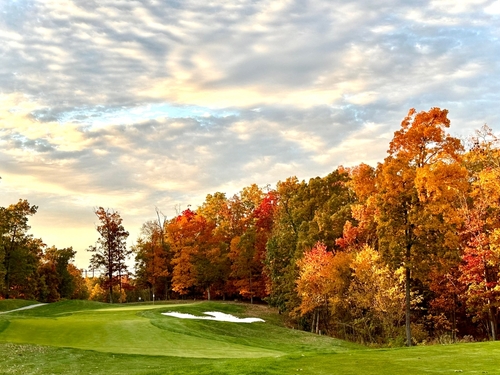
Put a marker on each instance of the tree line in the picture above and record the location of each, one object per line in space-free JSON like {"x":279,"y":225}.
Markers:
{"x":404,"y":252}
{"x":30,"y":270}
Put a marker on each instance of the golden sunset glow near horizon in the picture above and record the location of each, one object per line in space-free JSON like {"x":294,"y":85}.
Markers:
{"x":132,"y":105}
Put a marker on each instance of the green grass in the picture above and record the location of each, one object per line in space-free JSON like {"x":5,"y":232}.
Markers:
{"x":81,"y":337}
{"x":12,"y":304}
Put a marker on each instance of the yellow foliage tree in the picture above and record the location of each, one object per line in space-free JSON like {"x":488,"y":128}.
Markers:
{"x":376,"y":297}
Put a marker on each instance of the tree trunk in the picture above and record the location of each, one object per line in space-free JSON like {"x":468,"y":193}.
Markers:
{"x":8,"y":255}
{"x":251,"y":291}
{"x":313,"y":321}
{"x":7,"y":276}
{"x":407,"y":303}
{"x":208,"y":293}
{"x":454,"y":320}
{"x":493,"y":322}
{"x":120,"y":280}
{"x":110,"y":286}
{"x":317,"y":322}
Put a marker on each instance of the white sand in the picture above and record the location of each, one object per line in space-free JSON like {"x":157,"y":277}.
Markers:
{"x":214,"y":315}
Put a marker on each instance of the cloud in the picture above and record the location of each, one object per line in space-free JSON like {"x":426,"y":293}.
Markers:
{"x":140,"y":104}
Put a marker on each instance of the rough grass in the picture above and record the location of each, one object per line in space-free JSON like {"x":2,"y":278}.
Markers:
{"x":81,"y":337}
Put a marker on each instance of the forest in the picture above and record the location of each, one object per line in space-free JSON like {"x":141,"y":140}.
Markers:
{"x":402,"y":253}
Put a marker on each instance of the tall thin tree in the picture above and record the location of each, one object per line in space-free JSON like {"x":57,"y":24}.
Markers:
{"x":110,"y":251}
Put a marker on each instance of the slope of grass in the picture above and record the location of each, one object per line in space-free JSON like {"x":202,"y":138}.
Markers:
{"x":59,"y":309}
{"x":80,"y":337}
{"x":12,"y":304}
{"x":263,"y":335}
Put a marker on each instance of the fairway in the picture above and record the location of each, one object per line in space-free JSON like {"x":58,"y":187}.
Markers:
{"x":122,"y":330}
{"x":80,"y":337}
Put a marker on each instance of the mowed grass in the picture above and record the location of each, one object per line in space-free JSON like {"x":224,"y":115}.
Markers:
{"x":81,"y":337}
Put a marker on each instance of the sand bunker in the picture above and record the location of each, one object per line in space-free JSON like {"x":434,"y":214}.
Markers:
{"x":214,"y":315}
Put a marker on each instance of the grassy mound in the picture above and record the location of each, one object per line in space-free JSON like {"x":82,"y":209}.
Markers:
{"x":81,"y":337}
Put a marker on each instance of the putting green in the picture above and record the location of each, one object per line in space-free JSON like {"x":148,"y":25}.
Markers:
{"x":122,"y":330}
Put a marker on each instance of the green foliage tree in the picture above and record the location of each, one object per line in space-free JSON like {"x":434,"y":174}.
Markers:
{"x":305,"y":214}
{"x":19,"y":251}
{"x":57,"y":281}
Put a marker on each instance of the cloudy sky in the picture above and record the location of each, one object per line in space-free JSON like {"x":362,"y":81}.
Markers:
{"x":133,"y":105}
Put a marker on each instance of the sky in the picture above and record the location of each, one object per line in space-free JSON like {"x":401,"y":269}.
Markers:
{"x":133,"y":105}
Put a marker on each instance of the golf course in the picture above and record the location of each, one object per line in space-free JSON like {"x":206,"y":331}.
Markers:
{"x":82,"y":337}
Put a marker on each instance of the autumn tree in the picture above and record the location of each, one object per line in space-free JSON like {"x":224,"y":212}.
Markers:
{"x":216,"y":208}
{"x":238,"y":255}
{"x":322,"y":284}
{"x":446,"y":308}
{"x":222,"y":214}
{"x":56,"y":280}
{"x":480,"y":268}
{"x":305,"y":214}
{"x":247,"y":250}
{"x":196,"y":254}
{"x":418,"y":185}
{"x":153,"y":258}
{"x":19,"y":251}
{"x":360,"y":229}
{"x":376,"y":298}
{"x":247,"y":262}
{"x":110,"y":251}
{"x":80,"y":290}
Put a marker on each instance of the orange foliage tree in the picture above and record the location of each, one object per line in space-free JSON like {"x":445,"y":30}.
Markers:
{"x":153,"y":259}
{"x":418,"y":185}
{"x":322,"y":283}
{"x":196,"y":253}
{"x":248,"y":251}
{"x":361,"y":230}
{"x":480,"y":268}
